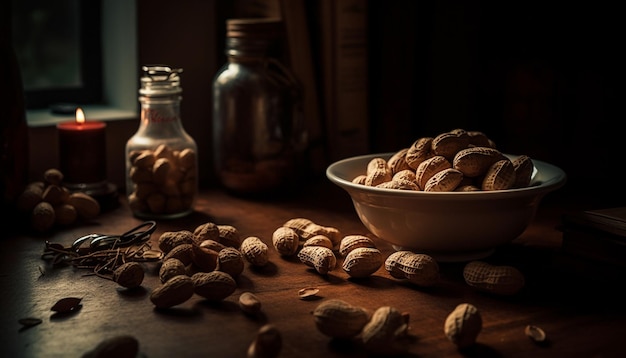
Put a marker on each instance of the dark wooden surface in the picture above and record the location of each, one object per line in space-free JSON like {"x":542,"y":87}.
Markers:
{"x":583,"y":317}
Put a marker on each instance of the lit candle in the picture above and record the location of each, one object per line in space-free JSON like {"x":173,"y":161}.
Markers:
{"x":82,"y":150}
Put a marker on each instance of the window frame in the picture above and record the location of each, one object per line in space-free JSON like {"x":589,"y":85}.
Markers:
{"x":91,"y":66}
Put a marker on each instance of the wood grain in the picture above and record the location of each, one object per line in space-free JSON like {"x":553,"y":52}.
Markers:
{"x":580,"y":317}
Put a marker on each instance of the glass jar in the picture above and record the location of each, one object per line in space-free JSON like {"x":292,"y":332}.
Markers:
{"x":161,"y":159}
{"x":259,"y":136}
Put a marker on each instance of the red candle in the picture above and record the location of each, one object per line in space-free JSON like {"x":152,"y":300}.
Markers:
{"x":82,"y":150}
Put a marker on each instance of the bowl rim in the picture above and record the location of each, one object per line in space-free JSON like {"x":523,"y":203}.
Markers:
{"x":554,"y":182}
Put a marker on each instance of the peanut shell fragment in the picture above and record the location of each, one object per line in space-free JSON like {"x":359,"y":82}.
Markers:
{"x":308,"y":292}
{"x":249,"y":303}
{"x":67,"y":304}
{"x":535,"y":333}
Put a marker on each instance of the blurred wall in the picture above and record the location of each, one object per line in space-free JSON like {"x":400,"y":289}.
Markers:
{"x":538,"y":78}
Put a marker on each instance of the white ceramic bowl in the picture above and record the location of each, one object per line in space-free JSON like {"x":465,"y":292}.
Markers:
{"x":450,"y":226}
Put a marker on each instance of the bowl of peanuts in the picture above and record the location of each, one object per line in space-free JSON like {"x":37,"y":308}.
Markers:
{"x":455,"y":196}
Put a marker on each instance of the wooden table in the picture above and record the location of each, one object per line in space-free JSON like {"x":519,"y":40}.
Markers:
{"x":582,"y":317}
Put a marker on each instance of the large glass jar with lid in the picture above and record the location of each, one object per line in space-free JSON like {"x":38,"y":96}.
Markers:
{"x":259,"y":136}
{"x":161,"y":157}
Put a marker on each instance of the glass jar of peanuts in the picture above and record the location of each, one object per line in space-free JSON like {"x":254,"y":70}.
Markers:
{"x":161,"y":160}
{"x":259,"y":135}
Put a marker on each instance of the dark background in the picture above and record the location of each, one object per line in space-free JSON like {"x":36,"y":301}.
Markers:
{"x":538,"y":78}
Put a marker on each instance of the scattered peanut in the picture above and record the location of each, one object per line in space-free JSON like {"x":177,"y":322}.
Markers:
{"x":305,"y":229}
{"x":319,"y":240}
{"x":87,"y":207}
{"x":53,"y":176}
{"x":463,"y":325}
{"x":129,"y":274}
{"x":266,"y":344}
{"x":254,"y":251}
{"x":65,"y":214}
{"x":175,"y":291}
{"x":362,"y":262}
{"x":204,"y":258}
{"x":230,"y":260}
{"x":170,"y":268}
{"x":229,"y":236}
{"x":338,"y":319}
{"x":419,"y":269}
{"x":170,"y":239}
{"x":206,"y":231}
{"x":31,"y":196}
{"x":351,"y":242}
{"x":56,"y":194}
{"x":214,"y":286}
{"x":42,"y":217}
{"x":385,"y":332}
{"x":500,"y":280}
{"x":321,"y":258}
{"x":286,"y":241}
{"x":213,"y":245}
{"x":183,"y":252}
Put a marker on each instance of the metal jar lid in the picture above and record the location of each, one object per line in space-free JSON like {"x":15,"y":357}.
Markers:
{"x":160,"y":80}
{"x":270,"y":28}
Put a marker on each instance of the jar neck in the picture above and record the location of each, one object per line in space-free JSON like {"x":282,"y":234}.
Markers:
{"x":162,"y":113}
{"x":240,"y":49}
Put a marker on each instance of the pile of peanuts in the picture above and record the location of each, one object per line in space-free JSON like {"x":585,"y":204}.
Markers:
{"x":208,"y":260}
{"x":162,"y":181}
{"x":457,"y":160}
{"x":205,"y":261}
{"x":385,"y":330}
{"x":49,"y":204}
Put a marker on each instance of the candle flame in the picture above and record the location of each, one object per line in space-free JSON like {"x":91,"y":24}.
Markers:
{"x":80,"y":116}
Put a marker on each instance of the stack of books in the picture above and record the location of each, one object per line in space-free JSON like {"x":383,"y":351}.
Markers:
{"x":594,"y":243}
